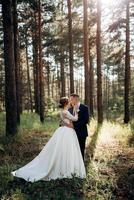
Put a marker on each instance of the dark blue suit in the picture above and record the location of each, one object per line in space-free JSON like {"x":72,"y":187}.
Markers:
{"x":80,"y":126}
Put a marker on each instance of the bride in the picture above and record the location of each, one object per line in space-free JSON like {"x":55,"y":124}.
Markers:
{"x":61,"y":156}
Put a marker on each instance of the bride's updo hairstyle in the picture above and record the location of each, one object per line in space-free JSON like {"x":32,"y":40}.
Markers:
{"x":63,"y":102}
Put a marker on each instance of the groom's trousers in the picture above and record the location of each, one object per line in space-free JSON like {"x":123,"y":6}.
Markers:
{"x":82,"y":143}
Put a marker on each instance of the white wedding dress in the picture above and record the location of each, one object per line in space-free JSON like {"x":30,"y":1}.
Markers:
{"x":60,"y":158}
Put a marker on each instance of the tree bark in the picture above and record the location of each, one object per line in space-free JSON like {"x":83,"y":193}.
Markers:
{"x":86,"y":52}
{"x":10,"y":84}
{"x":53,"y":85}
{"x":58,"y":82}
{"x":28,"y":77}
{"x":91,"y":84}
{"x":99,"y":71}
{"x":127,"y":67}
{"x":20,"y":85}
{"x":36,"y":64}
{"x":70,"y":37}
{"x":62,"y":72}
{"x":41,"y":82}
{"x":16,"y":58}
{"x":48,"y":80}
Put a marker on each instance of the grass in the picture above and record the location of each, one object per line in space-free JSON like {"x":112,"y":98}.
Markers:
{"x":30,"y":123}
{"x":111,"y":169}
{"x":109,"y":162}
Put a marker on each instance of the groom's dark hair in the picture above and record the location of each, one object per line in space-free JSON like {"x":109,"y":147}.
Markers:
{"x":74,"y":95}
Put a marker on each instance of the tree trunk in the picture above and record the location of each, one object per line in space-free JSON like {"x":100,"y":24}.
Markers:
{"x":28,"y":77}
{"x":70,"y":36}
{"x":58,"y":82}
{"x":48,"y":80}
{"x":62,"y":72}
{"x":91,"y":84}
{"x":107,"y":94}
{"x":34,"y":72}
{"x":53,"y":86}
{"x":20,"y":85}
{"x":99,"y":72}
{"x":41,"y":82}
{"x":127,"y":67}
{"x":86,"y":52}
{"x":81,"y":85}
{"x":10,"y":86}
{"x":16,"y":58}
{"x":36,"y":64}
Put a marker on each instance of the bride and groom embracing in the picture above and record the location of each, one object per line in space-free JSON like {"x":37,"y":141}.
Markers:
{"x":63,"y":155}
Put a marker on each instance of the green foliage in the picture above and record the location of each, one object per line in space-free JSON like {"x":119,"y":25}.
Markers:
{"x":2,"y":122}
{"x":15,"y":195}
{"x":31,"y":122}
{"x":51,"y":105}
{"x":5,"y":177}
{"x":1,"y":147}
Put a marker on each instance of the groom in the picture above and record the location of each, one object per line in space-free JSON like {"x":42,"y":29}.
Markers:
{"x":80,"y":126}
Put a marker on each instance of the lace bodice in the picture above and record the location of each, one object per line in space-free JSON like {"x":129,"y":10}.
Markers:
{"x":66,"y":116}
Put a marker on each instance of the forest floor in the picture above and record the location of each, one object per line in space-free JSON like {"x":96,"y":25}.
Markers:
{"x":109,"y":162}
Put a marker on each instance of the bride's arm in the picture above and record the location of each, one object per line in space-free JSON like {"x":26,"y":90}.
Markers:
{"x":70,"y":116}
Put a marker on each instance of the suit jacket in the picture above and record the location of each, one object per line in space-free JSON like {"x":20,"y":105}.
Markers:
{"x":80,"y":126}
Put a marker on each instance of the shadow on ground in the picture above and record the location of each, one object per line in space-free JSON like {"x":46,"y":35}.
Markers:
{"x":90,"y":149}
